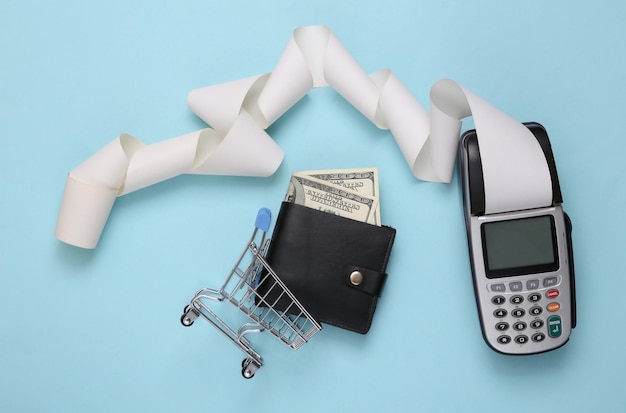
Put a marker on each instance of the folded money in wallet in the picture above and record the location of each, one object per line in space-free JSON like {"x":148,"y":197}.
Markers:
{"x":335,"y":266}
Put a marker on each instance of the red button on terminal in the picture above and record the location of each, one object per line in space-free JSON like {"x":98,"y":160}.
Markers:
{"x":552,"y":294}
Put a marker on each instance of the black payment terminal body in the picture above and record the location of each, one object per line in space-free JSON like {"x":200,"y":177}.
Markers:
{"x":522,"y":261}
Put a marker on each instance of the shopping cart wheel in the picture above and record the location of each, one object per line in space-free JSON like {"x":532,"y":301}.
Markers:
{"x":188,"y":317}
{"x":249,"y":367}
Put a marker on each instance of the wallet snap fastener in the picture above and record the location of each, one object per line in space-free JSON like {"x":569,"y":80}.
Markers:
{"x":356,"y":277}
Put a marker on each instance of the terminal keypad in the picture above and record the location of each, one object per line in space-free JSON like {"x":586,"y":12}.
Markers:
{"x":526,"y":311}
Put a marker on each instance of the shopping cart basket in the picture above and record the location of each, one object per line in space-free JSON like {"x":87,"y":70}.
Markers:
{"x":290,"y":323}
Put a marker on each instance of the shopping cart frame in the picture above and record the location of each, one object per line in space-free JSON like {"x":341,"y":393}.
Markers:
{"x":255,"y":290}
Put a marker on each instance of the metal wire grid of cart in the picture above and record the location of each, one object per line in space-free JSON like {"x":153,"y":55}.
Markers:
{"x":256,"y":291}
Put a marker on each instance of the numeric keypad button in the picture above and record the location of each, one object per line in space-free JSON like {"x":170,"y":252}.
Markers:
{"x":536,"y":324}
{"x":538,"y":337}
{"x":498,"y":300}
{"x":521,"y":339}
{"x":534,"y":297}
{"x":518,"y":312}
{"x":500,"y":313}
{"x":502,"y":326}
{"x":517,"y":299}
{"x":536,"y":310}
{"x":504,"y":339}
{"x":519,"y":326}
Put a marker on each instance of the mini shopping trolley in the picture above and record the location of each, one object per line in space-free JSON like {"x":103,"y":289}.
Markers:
{"x":289,"y":321}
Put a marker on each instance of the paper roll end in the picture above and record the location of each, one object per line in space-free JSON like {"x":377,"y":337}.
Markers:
{"x":84,"y":212}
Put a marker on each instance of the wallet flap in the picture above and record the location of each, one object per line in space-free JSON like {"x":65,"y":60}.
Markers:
{"x":364,"y":280}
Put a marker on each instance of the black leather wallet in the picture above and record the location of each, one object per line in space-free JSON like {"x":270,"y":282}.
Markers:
{"x":334,"y":266}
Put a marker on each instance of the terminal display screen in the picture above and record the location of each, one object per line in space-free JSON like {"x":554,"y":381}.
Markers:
{"x":519,"y":246}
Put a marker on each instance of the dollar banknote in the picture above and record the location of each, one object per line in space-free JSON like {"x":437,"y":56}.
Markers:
{"x":361,"y":180}
{"x":335,"y":199}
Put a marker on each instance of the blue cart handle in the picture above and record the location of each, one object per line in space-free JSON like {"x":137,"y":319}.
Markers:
{"x":263,"y":219}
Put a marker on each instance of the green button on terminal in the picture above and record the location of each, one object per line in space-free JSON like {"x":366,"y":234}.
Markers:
{"x":554,"y":326}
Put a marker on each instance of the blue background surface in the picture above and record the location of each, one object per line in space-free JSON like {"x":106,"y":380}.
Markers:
{"x":98,"y":330}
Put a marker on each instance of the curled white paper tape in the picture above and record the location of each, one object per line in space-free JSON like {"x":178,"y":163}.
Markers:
{"x":515,"y":171}
{"x":237,"y":144}
{"x":126,"y":165}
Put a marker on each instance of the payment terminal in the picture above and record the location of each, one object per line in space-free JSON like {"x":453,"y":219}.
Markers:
{"x":522,"y":261}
